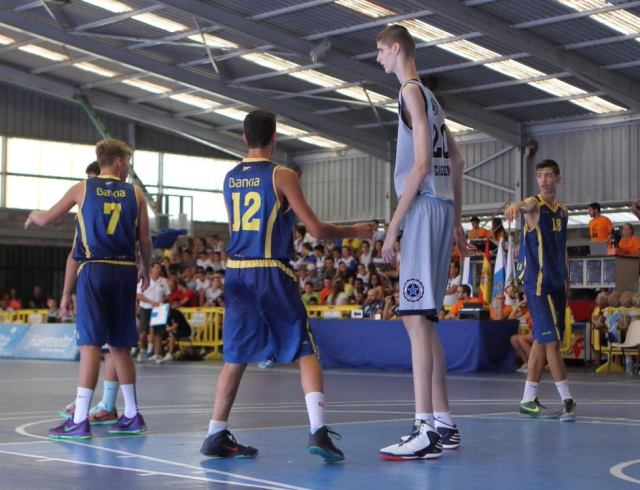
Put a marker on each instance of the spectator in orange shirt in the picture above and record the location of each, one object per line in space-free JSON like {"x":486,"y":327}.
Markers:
{"x":629,"y":244}
{"x":522,"y":342}
{"x":477,"y":233}
{"x":500,"y":311}
{"x":600,"y":227}
{"x":464,"y":296}
{"x":327,"y":290}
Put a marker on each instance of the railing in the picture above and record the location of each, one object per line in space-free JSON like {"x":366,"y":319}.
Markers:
{"x":206,"y":324}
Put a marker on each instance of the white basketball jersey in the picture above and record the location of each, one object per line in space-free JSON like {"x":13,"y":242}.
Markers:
{"x":437,"y":183}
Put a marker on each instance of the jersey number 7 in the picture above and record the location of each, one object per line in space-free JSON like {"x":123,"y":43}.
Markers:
{"x":113,"y":209}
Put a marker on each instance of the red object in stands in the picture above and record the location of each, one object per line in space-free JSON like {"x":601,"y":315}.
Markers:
{"x":582,"y":309}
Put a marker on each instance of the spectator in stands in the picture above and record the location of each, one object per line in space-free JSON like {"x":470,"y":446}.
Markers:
{"x":14,"y":301}
{"x":151,"y":297}
{"x":500,"y":311}
{"x":629,"y":244}
{"x":338,"y":297}
{"x":348,"y":259}
{"x":359,"y":286}
{"x":313,"y":301}
{"x":214,"y":244}
{"x":497,"y":230}
{"x":455,"y":279}
{"x":379,"y":235}
{"x":209,"y":296}
{"x":175,"y":253}
{"x":200,"y":246}
{"x":464,"y":296}
{"x":363,"y":274}
{"x":203,"y":260}
{"x":377,"y":254}
{"x":92,"y":170}
{"x":336,"y":253}
{"x":477,"y":233}
{"x":373,"y":304}
{"x":318,"y":252}
{"x":314,"y":277}
{"x":327,"y":290}
{"x":365,"y":257}
{"x":69,"y":315}
{"x":187,"y":259}
{"x":178,"y":328}
{"x":381,"y":283}
{"x":360,"y":299}
{"x":53,"y":312}
{"x":189,"y":276}
{"x":299,"y":233}
{"x":220,"y":302}
{"x":165,"y":263}
{"x":187,"y":297}
{"x":391,"y":306}
{"x":329,"y":267}
{"x":201,"y":281}
{"x":309,"y":293}
{"x":37,"y":301}
{"x":5,"y":310}
{"x":223,"y":260}
{"x":301,"y":275}
{"x":307,"y":253}
{"x":343,"y":273}
{"x":522,"y":342}
{"x":600,"y":227}
{"x":214,"y":261}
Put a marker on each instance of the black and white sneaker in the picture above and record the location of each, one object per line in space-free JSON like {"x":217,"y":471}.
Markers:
{"x":449,"y":435}
{"x":423,"y":442}
{"x":320,"y":444}
{"x":223,"y":445}
{"x":568,"y":413}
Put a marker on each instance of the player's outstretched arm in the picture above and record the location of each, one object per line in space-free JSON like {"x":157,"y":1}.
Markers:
{"x":46,"y":218}
{"x":528,"y":207}
{"x":288,"y":185}
{"x":144,"y":238}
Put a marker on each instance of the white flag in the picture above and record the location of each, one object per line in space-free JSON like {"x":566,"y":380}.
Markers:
{"x":498,"y":271}
{"x":466,"y":274}
{"x":510,"y":284}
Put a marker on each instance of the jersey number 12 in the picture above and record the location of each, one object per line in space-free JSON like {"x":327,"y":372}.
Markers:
{"x":245,"y":220}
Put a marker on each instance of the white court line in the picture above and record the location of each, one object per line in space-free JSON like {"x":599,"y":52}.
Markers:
{"x":22,"y":430}
{"x":161,"y":473}
{"x":618,"y":471}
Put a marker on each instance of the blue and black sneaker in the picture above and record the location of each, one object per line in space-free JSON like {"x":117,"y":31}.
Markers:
{"x":223,"y":445}
{"x":320,"y":444}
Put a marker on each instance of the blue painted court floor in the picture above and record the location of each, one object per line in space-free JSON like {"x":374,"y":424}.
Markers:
{"x":369,"y":409}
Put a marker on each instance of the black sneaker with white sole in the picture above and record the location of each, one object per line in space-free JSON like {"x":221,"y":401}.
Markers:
{"x":449,"y":435}
{"x":223,"y":445}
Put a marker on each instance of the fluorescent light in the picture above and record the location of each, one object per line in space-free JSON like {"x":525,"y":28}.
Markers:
{"x":236,"y":114}
{"x":322,"y":142}
{"x":358,"y":93}
{"x":598,"y":105}
{"x":618,"y":20}
{"x":43,"y":52}
{"x":367,"y":8}
{"x":110,"y":5}
{"x":267,"y":60}
{"x":195,"y":101}
{"x":159,"y":22}
{"x":289,"y":130}
{"x":455,"y":127}
{"x":96,"y":69}
{"x":424,"y":31}
{"x":148,"y":86}
{"x":6,"y":40}
{"x":213,"y":41}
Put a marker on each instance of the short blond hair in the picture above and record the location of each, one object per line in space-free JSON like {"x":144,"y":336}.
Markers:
{"x":110,"y":149}
{"x":396,"y":33}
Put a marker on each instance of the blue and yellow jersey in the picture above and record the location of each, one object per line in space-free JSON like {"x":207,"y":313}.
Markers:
{"x":542,"y":257}
{"x":107,"y":221}
{"x":261,"y":226}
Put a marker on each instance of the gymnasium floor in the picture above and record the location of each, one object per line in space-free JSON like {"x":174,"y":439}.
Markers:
{"x":369,"y":410}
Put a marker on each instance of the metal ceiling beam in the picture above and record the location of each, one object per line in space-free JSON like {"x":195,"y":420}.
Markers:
{"x":602,"y":41}
{"x":289,"y":10}
{"x":471,"y":64}
{"x":444,"y":40}
{"x":19,"y":44}
{"x":164,"y":95}
{"x":575,"y":15}
{"x":207,"y":135}
{"x":618,"y":86}
{"x":550,"y":100}
{"x":62,"y":64}
{"x":509,"y":83}
{"x":116,"y":18}
{"x":500,"y":127}
{"x":332,"y":129}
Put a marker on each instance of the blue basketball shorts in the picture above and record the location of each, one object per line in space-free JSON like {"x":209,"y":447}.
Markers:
{"x":547,"y":315}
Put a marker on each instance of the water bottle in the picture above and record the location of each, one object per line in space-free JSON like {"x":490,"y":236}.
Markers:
{"x":628,"y":365}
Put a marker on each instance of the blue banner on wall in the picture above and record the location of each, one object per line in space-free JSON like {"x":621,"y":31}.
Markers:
{"x":49,"y":342}
{"x":10,"y":337}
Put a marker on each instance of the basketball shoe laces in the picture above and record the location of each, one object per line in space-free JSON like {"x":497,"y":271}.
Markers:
{"x":415,"y":432}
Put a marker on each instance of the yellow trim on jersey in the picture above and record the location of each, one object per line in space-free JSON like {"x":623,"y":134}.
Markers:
{"x":272,"y":217}
{"x":135,"y":192}
{"x":540,"y":262}
{"x":247,"y":160}
{"x":108,"y":177}
{"x":313,"y":342}
{"x":83,"y":231}
{"x":553,"y":314}
{"x":542,"y":202}
{"x":258,"y":263}
{"x":106,"y":261}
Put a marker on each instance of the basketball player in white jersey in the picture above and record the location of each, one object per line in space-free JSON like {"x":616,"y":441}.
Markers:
{"x":428,"y":181}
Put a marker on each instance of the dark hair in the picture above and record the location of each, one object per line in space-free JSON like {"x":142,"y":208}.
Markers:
{"x":182,"y":283}
{"x":475,"y":219}
{"x":338,"y":287}
{"x":259,"y":127}
{"x":209,"y":269}
{"x":93,"y":168}
{"x":552,"y":164}
{"x":301,"y":229}
{"x":319,"y":247}
{"x":630,"y":226}
{"x":366,"y":242}
{"x":307,"y":245}
{"x":466,"y":289}
{"x":396,"y":33}
{"x":595,"y":205}
{"x":456,"y":265}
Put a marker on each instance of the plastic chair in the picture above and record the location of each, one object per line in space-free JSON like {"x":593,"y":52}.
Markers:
{"x":631,"y":342}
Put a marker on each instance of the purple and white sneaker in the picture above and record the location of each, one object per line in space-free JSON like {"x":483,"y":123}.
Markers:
{"x":126,"y":425}
{"x":71,"y":430}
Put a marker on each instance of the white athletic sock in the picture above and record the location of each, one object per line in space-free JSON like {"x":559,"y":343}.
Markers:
{"x":130,"y":400}
{"x":427,"y":417}
{"x":149,"y":348}
{"x":83,"y":402}
{"x":315,"y":408}
{"x":216,"y":426}
{"x":530,"y":391}
{"x":444,"y":417}
{"x":563,"y":389}
{"x":109,"y":394}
